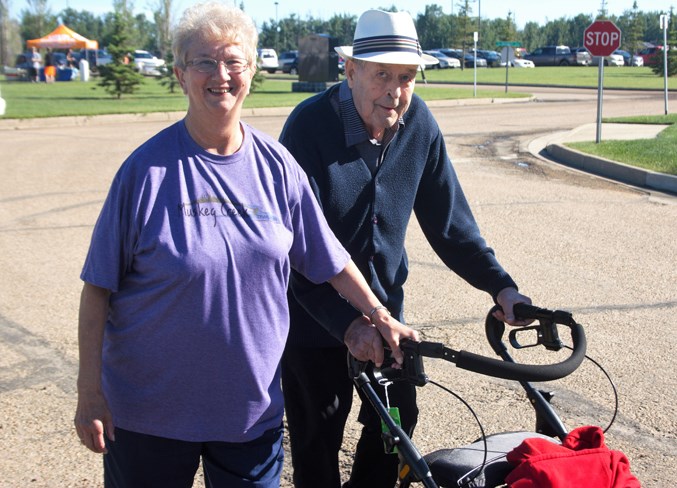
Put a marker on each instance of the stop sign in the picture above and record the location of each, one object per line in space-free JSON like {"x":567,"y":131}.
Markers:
{"x":602,"y":38}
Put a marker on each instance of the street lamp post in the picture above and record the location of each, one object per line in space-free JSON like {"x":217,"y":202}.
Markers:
{"x":479,"y":18}
{"x":277,"y":27}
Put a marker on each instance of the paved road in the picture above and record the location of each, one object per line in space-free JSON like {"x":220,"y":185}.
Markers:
{"x":606,"y":252}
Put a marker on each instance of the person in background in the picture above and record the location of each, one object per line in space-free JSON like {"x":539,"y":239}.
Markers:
{"x":184,"y":311}
{"x":50,"y":67}
{"x":70,"y":59}
{"x":373,"y":153}
{"x":36,"y":62}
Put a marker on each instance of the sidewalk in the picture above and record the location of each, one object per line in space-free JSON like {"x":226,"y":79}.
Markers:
{"x":552,"y":147}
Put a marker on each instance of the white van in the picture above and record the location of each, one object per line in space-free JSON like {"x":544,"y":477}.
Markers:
{"x":267,"y":60}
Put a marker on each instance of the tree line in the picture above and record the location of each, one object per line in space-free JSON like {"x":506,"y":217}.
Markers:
{"x":436,"y":29}
{"x":37,"y":20}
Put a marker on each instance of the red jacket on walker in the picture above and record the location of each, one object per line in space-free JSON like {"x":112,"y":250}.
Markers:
{"x":582,"y":460}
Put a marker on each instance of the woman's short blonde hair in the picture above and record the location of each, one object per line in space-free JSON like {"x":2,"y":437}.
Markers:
{"x":214,"y":21}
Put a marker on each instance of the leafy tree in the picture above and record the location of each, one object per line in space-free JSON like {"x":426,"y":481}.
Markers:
{"x":464,"y":22}
{"x":507,"y":29}
{"x":119,"y":77}
{"x":557,"y":31}
{"x":162,"y":15}
{"x":342,"y":27}
{"x":531,"y":36}
{"x":143,"y":34}
{"x":577,"y":27}
{"x":8,"y":35}
{"x":433,"y":27}
{"x":37,"y":20}
{"x":652,"y":27}
{"x":83,"y":22}
{"x":631,"y":24}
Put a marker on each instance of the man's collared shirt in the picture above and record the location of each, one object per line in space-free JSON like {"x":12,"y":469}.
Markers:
{"x":371,"y":150}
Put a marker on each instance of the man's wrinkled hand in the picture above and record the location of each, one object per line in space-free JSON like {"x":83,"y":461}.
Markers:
{"x":507,"y":298}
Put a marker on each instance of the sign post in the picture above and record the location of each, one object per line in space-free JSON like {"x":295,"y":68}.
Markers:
{"x":507,"y":55}
{"x":665,"y":19}
{"x":475,"y":37}
{"x":601,"y":38}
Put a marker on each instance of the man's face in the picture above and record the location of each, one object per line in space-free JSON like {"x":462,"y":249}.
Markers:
{"x":381,"y":92}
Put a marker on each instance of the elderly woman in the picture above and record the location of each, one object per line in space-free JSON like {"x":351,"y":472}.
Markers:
{"x":184,"y":315}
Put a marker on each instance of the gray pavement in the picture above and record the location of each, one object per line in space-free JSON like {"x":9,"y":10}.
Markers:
{"x":551,"y":146}
{"x":607,"y":253}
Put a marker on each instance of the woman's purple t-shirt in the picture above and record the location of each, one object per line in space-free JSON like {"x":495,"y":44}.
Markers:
{"x":197,"y":249}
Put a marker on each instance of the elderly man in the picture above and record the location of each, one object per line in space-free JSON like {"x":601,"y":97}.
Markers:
{"x":373,"y":153}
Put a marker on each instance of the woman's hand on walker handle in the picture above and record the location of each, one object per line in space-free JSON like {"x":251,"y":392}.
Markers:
{"x":364,"y":339}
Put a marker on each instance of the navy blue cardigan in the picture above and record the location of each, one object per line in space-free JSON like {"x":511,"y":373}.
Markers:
{"x":369,"y":214}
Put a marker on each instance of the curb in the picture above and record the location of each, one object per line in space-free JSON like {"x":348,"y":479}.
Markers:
{"x":87,"y":120}
{"x":612,"y":169}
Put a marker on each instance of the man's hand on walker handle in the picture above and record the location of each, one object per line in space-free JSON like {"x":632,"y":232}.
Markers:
{"x":507,"y":298}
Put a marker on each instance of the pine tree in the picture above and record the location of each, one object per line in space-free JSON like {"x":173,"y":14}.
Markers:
{"x":672,"y":50}
{"x":119,"y":77}
{"x":167,"y":78}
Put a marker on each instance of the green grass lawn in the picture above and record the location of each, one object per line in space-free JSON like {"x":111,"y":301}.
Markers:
{"x":575,"y":76}
{"x":659,"y":154}
{"x":30,"y":100}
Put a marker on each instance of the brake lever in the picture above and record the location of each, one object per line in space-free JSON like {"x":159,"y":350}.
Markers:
{"x":546,"y":335}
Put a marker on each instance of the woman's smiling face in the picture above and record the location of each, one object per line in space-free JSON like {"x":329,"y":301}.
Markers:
{"x":217,"y":93}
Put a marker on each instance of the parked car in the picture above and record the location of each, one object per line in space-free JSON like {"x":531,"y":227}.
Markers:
{"x":95,"y":57}
{"x":650,"y":55}
{"x":552,"y":56}
{"x":492,"y":58}
{"x":341,"y":65}
{"x":268,"y":60}
{"x":147,"y":64}
{"x":23,"y":61}
{"x":21,"y":69}
{"x":611,"y":60}
{"x":444,"y":62}
{"x":630,"y":59}
{"x":583,"y":56}
{"x":59,"y":59}
{"x":523,"y":63}
{"x":468,"y":59}
{"x":627,"y":57}
{"x":520,"y":63}
{"x":518,"y":60}
{"x":289,"y":62}
{"x":637,"y":60}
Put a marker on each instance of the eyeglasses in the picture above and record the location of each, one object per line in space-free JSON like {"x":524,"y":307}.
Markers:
{"x":209,"y":65}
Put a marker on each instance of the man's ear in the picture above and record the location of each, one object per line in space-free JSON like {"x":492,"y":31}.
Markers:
{"x":350,"y":68}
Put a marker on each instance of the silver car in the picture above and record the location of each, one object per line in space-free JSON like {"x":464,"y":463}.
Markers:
{"x":445,"y":62}
{"x":611,"y":60}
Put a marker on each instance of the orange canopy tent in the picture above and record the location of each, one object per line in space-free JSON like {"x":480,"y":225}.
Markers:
{"x":63,"y":38}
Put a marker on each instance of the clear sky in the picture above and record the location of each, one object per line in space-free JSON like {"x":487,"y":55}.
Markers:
{"x":266,"y":10}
